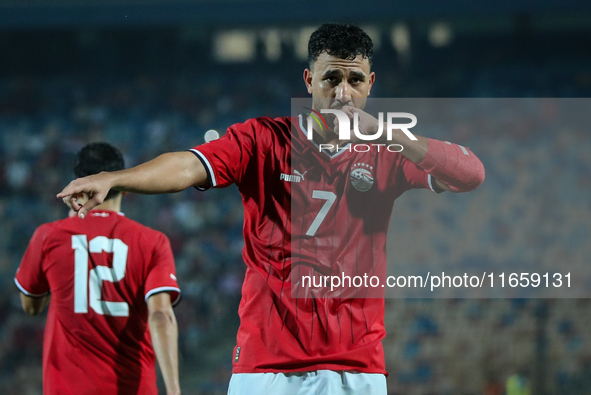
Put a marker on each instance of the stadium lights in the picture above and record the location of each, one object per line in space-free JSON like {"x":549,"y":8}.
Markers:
{"x":211,"y":135}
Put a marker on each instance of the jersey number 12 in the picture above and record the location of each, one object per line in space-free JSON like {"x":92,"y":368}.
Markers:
{"x":87,"y":284}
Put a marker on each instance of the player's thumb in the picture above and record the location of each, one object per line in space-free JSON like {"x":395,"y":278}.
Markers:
{"x":89,"y":205}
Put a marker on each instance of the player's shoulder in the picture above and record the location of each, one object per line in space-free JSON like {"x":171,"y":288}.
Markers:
{"x":48,"y":231}
{"x":261,"y":125}
{"x":137,"y":235}
{"x":139,"y":229}
{"x":268,"y":121}
{"x":117,"y":223}
{"x":263,"y":132}
{"x":45,"y":230}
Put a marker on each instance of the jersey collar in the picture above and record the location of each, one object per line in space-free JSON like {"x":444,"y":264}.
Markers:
{"x":108,"y":212}
{"x":304,"y":135}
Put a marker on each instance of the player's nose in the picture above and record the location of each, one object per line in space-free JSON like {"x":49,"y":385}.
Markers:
{"x":343,"y":93}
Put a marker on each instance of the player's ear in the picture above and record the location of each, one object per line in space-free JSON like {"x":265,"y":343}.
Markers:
{"x":308,"y":80}
{"x":372,"y":78}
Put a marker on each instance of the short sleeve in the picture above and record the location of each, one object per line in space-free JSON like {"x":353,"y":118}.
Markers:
{"x":161,"y":275}
{"x":30,"y":277}
{"x":227,"y":158}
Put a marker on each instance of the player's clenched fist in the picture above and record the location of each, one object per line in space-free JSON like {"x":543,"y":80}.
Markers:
{"x":367,"y":123}
{"x":84,"y":194}
{"x":364,"y":124}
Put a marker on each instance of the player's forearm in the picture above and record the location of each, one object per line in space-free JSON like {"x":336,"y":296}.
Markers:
{"x":164,"y":332}
{"x":172,"y":172}
{"x":414,"y":150}
{"x":168,"y":173}
{"x":34,"y":306}
{"x":455,"y":166}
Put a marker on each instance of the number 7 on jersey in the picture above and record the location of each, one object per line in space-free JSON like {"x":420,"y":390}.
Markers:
{"x":330,"y":198}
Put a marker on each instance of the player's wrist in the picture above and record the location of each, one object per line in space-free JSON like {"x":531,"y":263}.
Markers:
{"x":112,"y":180}
{"x":383,"y":139}
{"x":397,"y":136}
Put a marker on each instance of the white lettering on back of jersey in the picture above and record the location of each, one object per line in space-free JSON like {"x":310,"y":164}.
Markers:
{"x":100,"y":214}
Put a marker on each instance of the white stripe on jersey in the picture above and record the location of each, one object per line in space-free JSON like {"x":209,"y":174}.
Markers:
{"x":211,"y":174}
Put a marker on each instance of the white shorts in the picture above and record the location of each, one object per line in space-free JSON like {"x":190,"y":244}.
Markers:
{"x":319,"y":382}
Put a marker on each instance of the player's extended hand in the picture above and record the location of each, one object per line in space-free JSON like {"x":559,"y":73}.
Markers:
{"x":84,"y":194}
{"x":368,"y":124}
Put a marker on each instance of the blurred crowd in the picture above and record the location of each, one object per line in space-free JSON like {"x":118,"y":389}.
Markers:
{"x":534,"y":211}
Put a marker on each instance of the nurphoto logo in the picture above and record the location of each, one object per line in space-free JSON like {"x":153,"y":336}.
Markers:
{"x":345,"y":124}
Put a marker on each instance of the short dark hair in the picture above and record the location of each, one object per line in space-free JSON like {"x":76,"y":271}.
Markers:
{"x":341,"y":40}
{"x":97,"y":157}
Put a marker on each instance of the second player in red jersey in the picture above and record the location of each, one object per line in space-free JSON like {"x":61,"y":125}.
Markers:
{"x":103,"y":272}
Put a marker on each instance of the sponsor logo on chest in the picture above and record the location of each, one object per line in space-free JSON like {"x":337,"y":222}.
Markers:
{"x":296,"y":177}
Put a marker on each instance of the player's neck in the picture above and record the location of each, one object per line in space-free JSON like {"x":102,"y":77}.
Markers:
{"x":113,"y":204}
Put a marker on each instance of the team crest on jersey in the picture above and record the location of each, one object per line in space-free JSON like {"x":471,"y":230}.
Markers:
{"x":361,"y":177}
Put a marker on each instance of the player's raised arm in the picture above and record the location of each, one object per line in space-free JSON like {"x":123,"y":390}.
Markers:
{"x":168,"y":173}
{"x":455,"y":168}
{"x":164,"y":332}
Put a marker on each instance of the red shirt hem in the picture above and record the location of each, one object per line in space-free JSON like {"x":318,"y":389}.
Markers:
{"x":337,"y":368}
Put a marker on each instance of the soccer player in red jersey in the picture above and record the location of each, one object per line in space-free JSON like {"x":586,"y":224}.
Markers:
{"x":110,"y":283}
{"x":306,"y":207}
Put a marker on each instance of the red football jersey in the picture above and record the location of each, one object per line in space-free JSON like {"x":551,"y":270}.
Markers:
{"x":100,"y":271}
{"x":308,"y":210}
